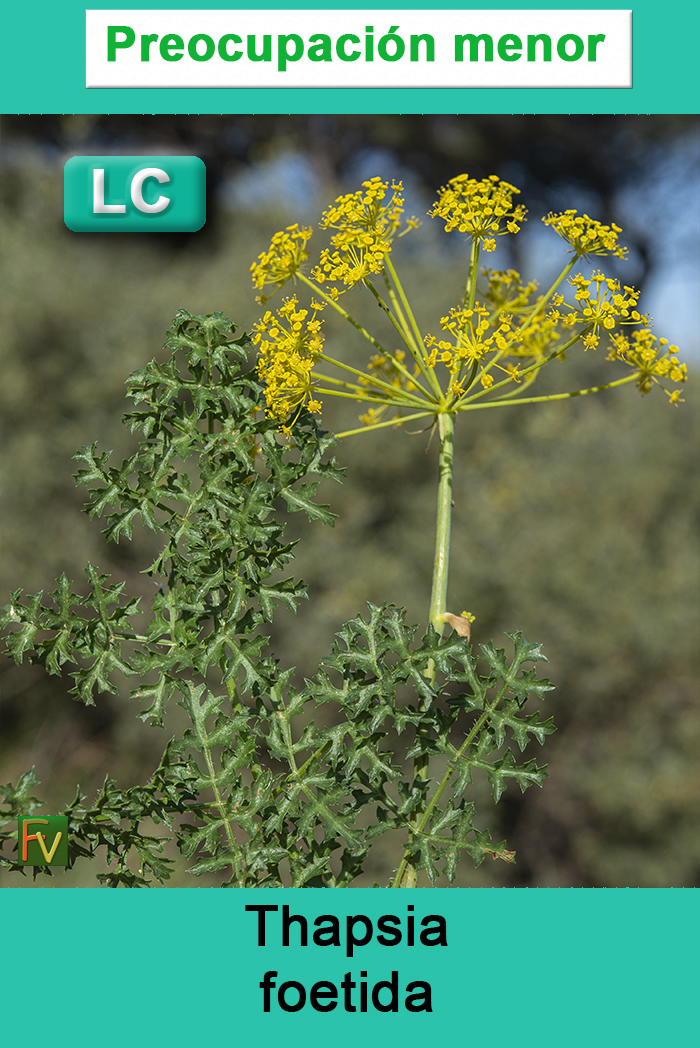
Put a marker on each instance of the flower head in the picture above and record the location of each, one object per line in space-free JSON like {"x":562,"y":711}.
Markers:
{"x":283,"y":258}
{"x":481,"y":209}
{"x":368,"y":209}
{"x":653,"y":357}
{"x":537,"y":336}
{"x":604,"y":303}
{"x":289,"y":342}
{"x":586,"y":235}
{"x":475,"y":334}
{"x":366,"y":224}
{"x":505,"y":290}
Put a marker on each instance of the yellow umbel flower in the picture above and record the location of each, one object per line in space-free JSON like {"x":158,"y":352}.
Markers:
{"x":537,"y":336}
{"x":481,"y":209}
{"x":283,"y":258}
{"x":358,"y":256}
{"x":654,"y":358}
{"x":366,"y":209}
{"x":288,"y":345}
{"x":385,"y":367}
{"x":472,"y":332}
{"x":607,"y":305}
{"x":475,"y":333}
{"x":367,"y":222}
{"x":586,"y":235}
{"x":505,"y":290}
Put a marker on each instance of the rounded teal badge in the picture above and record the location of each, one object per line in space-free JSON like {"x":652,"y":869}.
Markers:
{"x":134,"y":194}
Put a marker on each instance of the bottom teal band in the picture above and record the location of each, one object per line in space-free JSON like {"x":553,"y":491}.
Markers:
{"x":535,"y":968}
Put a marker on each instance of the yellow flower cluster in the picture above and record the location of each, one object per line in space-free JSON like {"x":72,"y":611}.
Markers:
{"x":474,"y":336}
{"x":538,"y":336}
{"x":481,"y":209}
{"x":367,"y":223}
{"x":478,"y":332}
{"x":604,"y":306}
{"x":288,"y":345}
{"x":366,"y":209}
{"x":538,"y":333}
{"x":586,"y":235}
{"x":512,"y":330}
{"x":283,"y":258}
{"x":505,"y":290}
{"x":654,"y":358}
{"x":384,"y":367}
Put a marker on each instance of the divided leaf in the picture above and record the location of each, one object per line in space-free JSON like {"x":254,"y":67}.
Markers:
{"x":255,"y":793}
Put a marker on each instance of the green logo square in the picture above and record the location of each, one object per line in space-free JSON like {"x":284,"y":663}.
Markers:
{"x":42,"y":840}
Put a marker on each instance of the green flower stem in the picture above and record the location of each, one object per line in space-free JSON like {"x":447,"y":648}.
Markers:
{"x":405,"y":336}
{"x":343,"y":312}
{"x":428,"y":373}
{"x":411,"y":378}
{"x":337,"y":382}
{"x":375,"y":396}
{"x":360,"y":392}
{"x":520,"y":389}
{"x":374,"y":381}
{"x":552,"y":396}
{"x":470,"y":289}
{"x":395,"y":402}
{"x":363,"y":331}
{"x":543,"y":302}
{"x":396,"y":303}
{"x":405,"y":304}
{"x":538,"y":308}
{"x":382,"y":425}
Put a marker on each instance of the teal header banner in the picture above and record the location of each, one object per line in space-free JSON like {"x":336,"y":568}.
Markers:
{"x":482,"y":966}
{"x":44,"y":70}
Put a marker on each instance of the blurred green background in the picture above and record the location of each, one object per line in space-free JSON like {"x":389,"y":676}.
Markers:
{"x":576,"y":523}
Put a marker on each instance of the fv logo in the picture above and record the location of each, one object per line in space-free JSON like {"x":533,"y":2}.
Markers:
{"x":132,"y":194}
{"x":43,"y":840}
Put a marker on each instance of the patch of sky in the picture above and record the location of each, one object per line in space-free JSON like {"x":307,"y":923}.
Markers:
{"x":288,"y":180}
{"x":663,"y":208}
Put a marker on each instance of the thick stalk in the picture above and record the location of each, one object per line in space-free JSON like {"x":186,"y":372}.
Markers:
{"x":438,"y":597}
{"x":438,"y":606}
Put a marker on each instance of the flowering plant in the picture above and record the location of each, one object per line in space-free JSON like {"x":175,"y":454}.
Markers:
{"x":255,"y":792}
{"x":493,"y":347}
